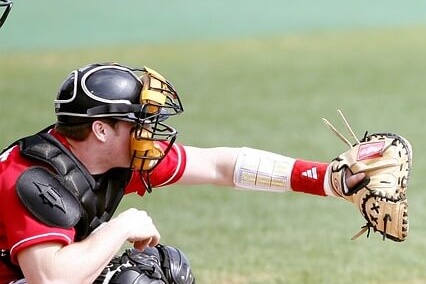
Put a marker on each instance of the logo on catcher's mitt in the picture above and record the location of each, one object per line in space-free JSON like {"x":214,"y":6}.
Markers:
{"x":370,"y":150}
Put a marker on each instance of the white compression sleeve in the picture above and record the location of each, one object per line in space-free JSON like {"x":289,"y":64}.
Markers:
{"x":262,"y":170}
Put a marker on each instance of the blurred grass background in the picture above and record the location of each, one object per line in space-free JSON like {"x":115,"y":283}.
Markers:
{"x":266,"y":88}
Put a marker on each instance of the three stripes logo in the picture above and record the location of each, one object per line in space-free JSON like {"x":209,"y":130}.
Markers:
{"x":311,"y":173}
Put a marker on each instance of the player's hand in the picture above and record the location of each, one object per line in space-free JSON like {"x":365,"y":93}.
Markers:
{"x":352,"y":180}
{"x":140,"y":228}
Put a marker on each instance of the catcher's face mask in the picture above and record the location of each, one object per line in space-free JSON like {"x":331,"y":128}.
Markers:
{"x":6,"y":5}
{"x":158,"y":101}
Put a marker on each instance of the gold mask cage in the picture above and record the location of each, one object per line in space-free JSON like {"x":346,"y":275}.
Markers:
{"x":158,"y":100}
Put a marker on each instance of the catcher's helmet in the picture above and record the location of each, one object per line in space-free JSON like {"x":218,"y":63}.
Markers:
{"x":6,"y":5}
{"x":98,"y":90}
{"x":111,"y":90}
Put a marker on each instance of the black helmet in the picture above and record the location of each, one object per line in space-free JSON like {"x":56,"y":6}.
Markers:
{"x":8,"y":5}
{"x":113,"y":90}
{"x":98,"y":90}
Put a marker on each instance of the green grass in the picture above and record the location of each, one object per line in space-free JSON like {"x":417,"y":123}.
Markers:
{"x":268,"y":93}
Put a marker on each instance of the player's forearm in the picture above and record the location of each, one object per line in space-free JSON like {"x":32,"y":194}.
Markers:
{"x":253,"y":169}
{"x":80,"y":262}
{"x":98,"y":249}
{"x":262,"y":170}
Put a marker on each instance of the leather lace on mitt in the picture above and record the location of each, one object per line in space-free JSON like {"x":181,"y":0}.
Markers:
{"x":386,"y":159}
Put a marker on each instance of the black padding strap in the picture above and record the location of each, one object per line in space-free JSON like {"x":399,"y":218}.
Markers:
{"x":44,"y":147}
{"x":44,"y":195}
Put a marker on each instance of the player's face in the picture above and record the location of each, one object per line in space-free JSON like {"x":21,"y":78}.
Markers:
{"x":119,"y":144}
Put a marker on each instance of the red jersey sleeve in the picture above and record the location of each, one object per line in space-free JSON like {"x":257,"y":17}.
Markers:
{"x":168,"y":171}
{"x":18,"y":228}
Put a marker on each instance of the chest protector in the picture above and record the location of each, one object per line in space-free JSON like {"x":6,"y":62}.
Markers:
{"x":98,"y":198}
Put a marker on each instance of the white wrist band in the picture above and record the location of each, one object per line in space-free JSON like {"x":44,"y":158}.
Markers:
{"x":261,"y":170}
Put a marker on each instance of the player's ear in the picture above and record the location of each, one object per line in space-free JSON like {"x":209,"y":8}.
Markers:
{"x":99,"y":130}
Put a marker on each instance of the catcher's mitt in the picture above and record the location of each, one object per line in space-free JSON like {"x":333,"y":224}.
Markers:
{"x":386,"y":159}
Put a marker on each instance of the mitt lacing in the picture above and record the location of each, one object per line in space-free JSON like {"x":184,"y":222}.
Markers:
{"x":367,"y":228}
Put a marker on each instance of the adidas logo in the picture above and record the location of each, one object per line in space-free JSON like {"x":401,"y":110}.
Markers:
{"x":311,"y":173}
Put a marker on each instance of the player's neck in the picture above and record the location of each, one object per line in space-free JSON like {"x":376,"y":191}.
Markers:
{"x":90,"y":155}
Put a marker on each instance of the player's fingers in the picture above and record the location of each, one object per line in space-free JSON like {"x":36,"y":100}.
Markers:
{"x":152,"y":240}
{"x":352,"y":180}
{"x":155,"y":240}
{"x":141,"y":245}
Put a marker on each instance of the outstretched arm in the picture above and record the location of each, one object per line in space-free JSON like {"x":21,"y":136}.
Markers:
{"x":256,"y":170}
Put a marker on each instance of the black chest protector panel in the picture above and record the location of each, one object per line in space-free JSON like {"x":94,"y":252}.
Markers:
{"x":98,"y":198}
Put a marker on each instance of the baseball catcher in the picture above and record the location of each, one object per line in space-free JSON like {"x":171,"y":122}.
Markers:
{"x":386,"y":160}
{"x":61,"y":186}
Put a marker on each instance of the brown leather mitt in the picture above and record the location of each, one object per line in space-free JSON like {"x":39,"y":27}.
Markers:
{"x":386,"y":159}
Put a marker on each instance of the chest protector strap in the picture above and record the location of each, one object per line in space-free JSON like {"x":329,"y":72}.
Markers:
{"x":98,"y":198}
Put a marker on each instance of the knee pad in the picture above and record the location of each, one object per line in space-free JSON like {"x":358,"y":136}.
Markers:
{"x":175,"y":265}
